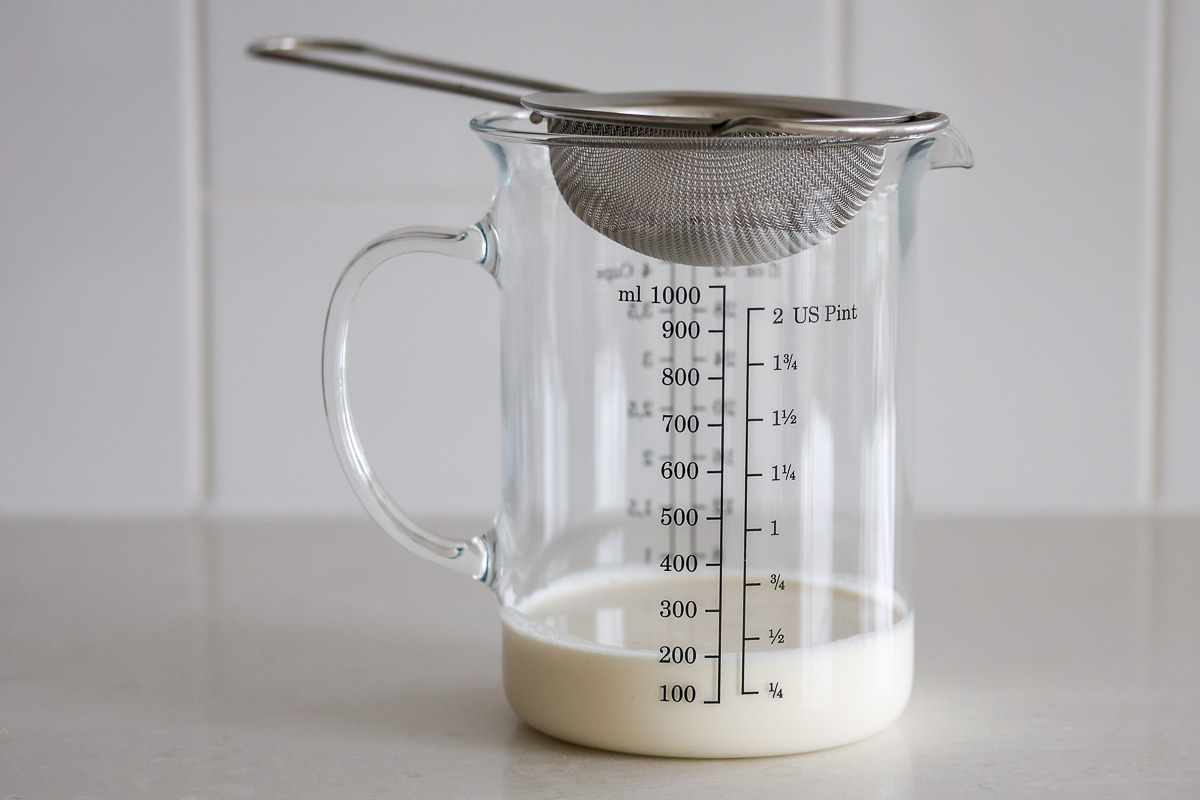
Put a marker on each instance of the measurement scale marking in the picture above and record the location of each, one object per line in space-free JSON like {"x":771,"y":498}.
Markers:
{"x":721,"y":509}
{"x":692,"y":439}
{"x":672,"y":544}
{"x":746,"y":490}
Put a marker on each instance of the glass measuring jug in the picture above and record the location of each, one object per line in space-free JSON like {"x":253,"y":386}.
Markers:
{"x":704,"y":544}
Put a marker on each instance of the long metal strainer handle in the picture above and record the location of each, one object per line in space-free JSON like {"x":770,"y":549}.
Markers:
{"x":301,"y":50}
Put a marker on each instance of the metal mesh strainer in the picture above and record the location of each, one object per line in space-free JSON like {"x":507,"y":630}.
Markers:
{"x":713,"y":202}
{"x":688,"y":177}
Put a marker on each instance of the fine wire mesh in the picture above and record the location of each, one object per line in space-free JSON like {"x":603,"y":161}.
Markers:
{"x":732,"y":200}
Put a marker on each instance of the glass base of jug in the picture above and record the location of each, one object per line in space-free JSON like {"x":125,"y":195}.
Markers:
{"x":679,"y":699}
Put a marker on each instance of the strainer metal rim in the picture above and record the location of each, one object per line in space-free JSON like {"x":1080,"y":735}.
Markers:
{"x":519,"y":126}
{"x":719,"y":113}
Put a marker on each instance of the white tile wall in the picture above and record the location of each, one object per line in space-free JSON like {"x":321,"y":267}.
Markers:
{"x":281,"y":128}
{"x":429,"y":415}
{"x":147,"y":370}
{"x":1029,"y":340}
{"x":307,"y":167}
{"x":98,"y":403}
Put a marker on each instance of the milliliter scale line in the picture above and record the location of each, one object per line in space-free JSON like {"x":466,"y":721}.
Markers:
{"x":720,"y":512}
{"x":671,"y":500}
{"x":692,"y":536}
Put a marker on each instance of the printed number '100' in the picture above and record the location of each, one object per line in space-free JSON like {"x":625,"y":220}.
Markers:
{"x":677,"y":693}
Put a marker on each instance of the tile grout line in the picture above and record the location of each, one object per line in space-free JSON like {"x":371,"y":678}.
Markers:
{"x":843,"y":39}
{"x":195,"y":113}
{"x":1150,"y":379}
{"x":201,"y":253}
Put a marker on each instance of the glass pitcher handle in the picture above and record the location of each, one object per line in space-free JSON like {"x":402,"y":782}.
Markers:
{"x":475,"y":557}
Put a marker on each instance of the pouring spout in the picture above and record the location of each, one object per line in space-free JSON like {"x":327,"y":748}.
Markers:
{"x":950,"y":149}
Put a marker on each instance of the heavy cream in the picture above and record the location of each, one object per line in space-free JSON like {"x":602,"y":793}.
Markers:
{"x":630,"y":661}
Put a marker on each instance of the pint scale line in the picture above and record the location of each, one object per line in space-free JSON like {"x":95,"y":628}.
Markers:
{"x":746,"y":476}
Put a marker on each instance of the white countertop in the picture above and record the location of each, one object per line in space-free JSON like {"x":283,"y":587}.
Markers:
{"x":288,"y":659}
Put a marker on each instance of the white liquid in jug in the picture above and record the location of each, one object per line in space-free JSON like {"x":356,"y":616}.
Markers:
{"x":630,"y":661}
